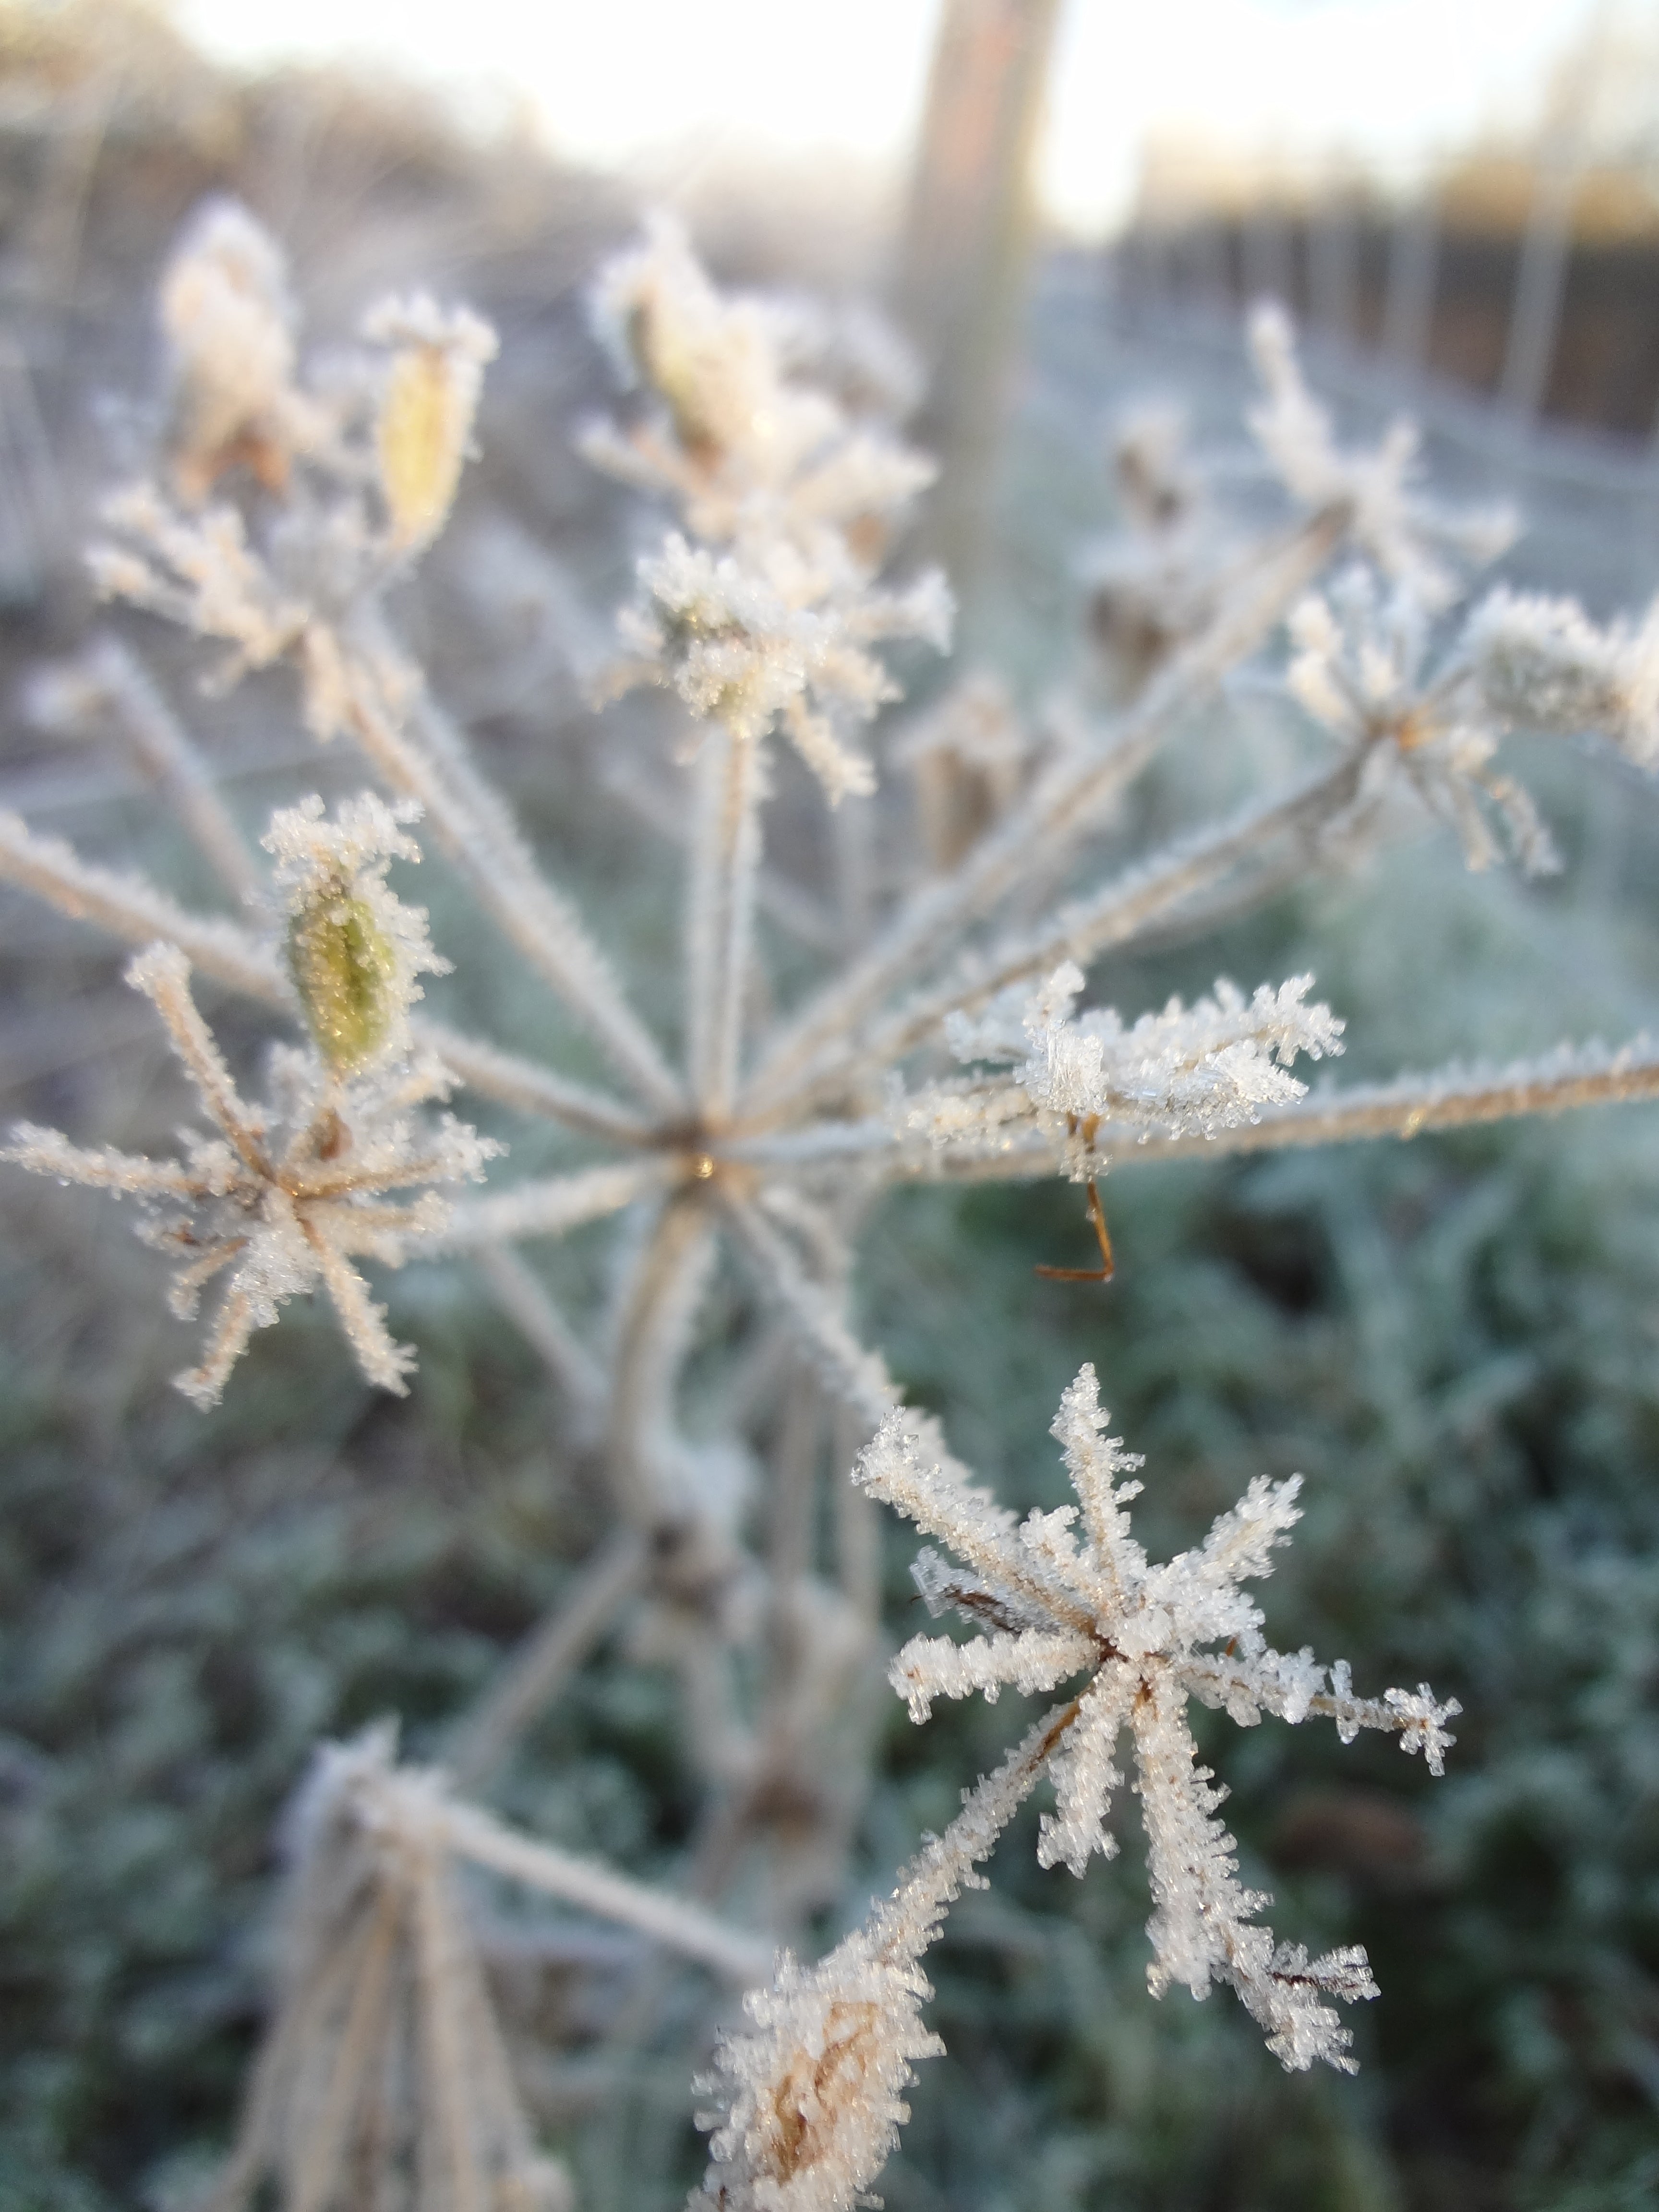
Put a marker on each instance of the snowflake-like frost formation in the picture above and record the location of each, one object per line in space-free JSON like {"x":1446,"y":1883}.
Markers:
{"x":280,"y":1197}
{"x":1189,"y":1070}
{"x":1049,"y":1607}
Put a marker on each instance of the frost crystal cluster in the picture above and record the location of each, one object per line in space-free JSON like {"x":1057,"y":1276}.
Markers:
{"x":1051,"y":1607}
{"x":946,"y":906}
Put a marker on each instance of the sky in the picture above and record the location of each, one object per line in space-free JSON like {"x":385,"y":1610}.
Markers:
{"x":620,"y":82}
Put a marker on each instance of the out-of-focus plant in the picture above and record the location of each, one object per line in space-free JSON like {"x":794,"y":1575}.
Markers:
{"x":282,"y":511}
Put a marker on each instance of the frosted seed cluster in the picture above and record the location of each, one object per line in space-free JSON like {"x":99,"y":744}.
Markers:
{"x":1050,"y":1600}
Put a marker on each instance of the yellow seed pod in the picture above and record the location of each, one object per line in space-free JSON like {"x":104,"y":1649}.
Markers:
{"x":425,"y":418}
{"x":671,"y":367}
{"x":345,"y":971}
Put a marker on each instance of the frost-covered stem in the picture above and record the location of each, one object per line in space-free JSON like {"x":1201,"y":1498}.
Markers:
{"x":1059,"y":809}
{"x":165,"y":751}
{"x":257,"y":2141}
{"x":539,"y":1668}
{"x":1111,"y":918}
{"x":549,"y":1207}
{"x":721,"y":914}
{"x":853,"y":1374}
{"x":935,"y":1874}
{"x":852,"y":844}
{"x":163,"y":976}
{"x":652,"y":1342}
{"x":319,"y":2155}
{"x":530,"y":914}
{"x":530,"y":1088}
{"x":658,"y":807}
{"x":1456,"y":1098}
{"x":789,"y":1509}
{"x":521,"y":1295}
{"x":128,"y":908}
{"x":671,"y":1921}
{"x":446,"y":2070}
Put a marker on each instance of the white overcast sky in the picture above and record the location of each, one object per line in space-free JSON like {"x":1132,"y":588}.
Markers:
{"x":615,"y":81}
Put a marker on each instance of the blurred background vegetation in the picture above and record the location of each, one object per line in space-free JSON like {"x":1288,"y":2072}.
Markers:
{"x":1457,"y":1341}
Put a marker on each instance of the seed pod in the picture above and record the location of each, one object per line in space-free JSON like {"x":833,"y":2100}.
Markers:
{"x":425,"y":418}
{"x":668,"y":360}
{"x":345,"y":971}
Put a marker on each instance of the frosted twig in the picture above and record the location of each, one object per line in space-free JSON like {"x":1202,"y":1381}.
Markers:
{"x":528,"y":1087}
{"x":668,"y":1280}
{"x":671,"y":1921}
{"x":855,"y":1376}
{"x":1455,"y":1097}
{"x":806,"y":2104}
{"x":662,"y":810}
{"x":1198,"y":1069}
{"x":127,"y":907}
{"x":731,"y":772}
{"x":550,"y":1207}
{"x":383,"y":2056}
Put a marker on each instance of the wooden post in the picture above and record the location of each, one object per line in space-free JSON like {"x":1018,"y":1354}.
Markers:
{"x":1414,"y":272}
{"x":1542,"y":278}
{"x":959,"y":280}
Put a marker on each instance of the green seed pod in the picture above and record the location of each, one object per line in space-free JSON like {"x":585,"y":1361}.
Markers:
{"x":345,"y":971}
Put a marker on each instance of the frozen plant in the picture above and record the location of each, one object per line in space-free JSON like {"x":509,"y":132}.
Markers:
{"x":807,"y":2106}
{"x":282,"y":507}
{"x":283,"y":1196}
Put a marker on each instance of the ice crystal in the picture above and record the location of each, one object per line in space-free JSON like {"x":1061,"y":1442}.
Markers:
{"x":807,"y":2102}
{"x":768,"y":613}
{"x":1048,"y":1608}
{"x":753,"y":645}
{"x":1542,"y":664}
{"x":1360,"y":669}
{"x":1187,"y":1070}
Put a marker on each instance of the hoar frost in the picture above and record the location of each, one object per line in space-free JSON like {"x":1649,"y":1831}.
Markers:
{"x":1048,"y":1606}
{"x":1188,"y":1070}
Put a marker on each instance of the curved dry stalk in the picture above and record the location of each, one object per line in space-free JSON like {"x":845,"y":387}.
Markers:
{"x":721,"y":914}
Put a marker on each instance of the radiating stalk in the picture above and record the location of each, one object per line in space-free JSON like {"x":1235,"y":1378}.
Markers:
{"x":720,"y":915}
